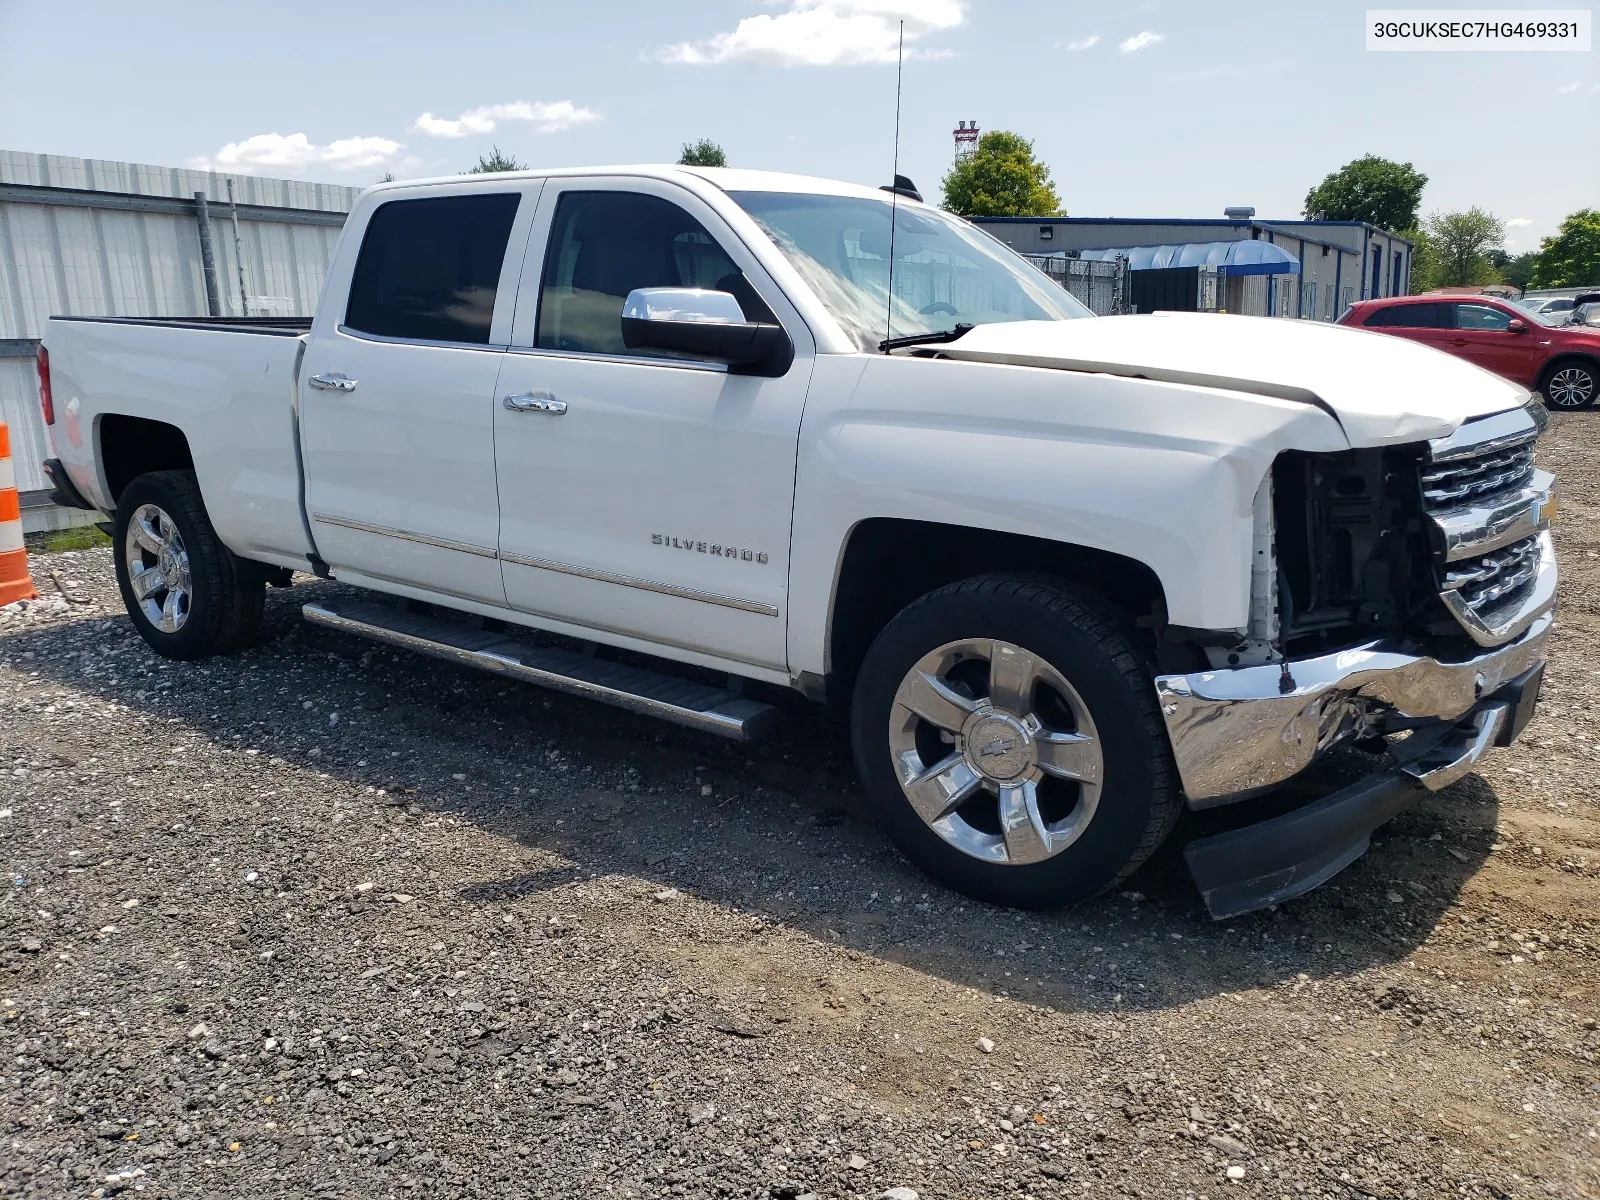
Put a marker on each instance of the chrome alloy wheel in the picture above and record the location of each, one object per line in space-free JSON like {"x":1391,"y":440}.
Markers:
{"x":1571,"y":387}
{"x":996,"y":751}
{"x":158,"y":568}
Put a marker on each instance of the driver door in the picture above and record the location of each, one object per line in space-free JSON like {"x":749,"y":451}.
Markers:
{"x":1483,"y":335}
{"x":644,"y":496}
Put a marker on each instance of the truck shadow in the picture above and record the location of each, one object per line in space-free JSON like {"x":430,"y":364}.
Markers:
{"x":776,"y":829}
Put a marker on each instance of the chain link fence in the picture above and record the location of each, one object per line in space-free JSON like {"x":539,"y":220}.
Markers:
{"x":1101,"y":285}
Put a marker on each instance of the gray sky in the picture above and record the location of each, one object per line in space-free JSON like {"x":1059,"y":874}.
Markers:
{"x":1141,"y":109}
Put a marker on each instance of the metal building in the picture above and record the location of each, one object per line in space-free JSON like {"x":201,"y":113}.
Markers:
{"x":88,"y":237}
{"x":1335,"y":262}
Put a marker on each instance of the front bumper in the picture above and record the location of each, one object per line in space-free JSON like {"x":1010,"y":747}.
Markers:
{"x":1273,"y":860}
{"x":1241,"y":731}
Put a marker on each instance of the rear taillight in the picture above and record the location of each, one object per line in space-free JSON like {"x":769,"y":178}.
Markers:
{"x":46,"y":400}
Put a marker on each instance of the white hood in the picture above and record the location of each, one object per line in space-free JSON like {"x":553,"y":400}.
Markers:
{"x":1382,"y":389}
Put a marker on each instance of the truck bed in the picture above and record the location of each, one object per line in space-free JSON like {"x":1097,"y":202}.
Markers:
{"x":227,"y":383}
{"x":276,"y":326}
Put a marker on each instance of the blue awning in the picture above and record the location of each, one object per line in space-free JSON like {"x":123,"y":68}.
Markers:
{"x":1235,"y":258}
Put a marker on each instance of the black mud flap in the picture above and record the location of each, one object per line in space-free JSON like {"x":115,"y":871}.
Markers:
{"x":1269,"y":862}
{"x":1522,"y":695}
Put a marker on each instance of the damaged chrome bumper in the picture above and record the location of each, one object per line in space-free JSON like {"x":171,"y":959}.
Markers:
{"x":1241,"y":731}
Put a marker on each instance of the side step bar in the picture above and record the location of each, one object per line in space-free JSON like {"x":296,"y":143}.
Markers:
{"x":637,"y":689}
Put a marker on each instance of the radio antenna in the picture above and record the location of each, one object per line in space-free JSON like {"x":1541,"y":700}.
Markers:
{"x":894,"y":186}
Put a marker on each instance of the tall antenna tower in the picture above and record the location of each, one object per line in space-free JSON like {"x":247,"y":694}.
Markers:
{"x":966,"y":135}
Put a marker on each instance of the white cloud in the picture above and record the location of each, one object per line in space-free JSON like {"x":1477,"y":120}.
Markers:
{"x":1139,"y":41}
{"x":823,"y":33}
{"x":1566,"y":89}
{"x":1084,"y":43}
{"x":553,"y":116}
{"x":1518,"y":222}
{"x":277,"y":152}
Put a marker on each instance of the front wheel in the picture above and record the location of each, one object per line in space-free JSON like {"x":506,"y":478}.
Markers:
{"x":189,"y":596}
{"x":1571,"y":385}
{"x":1008,"y":734}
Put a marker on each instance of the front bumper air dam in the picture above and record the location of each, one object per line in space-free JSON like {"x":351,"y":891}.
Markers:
{"x":1273,"y":860}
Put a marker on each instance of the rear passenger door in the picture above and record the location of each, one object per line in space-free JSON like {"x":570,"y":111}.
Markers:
{"x":397,"y":389}
{"x":1424,"y":322}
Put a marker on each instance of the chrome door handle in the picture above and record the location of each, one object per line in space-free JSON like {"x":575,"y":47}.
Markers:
{"x":539,"y":402}
{"x":332,"y":382}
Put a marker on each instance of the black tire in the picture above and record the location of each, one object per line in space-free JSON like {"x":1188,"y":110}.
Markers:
{"x":225,"y":599}
{"x":1580,"y":380}
{"x":1084,"y":641}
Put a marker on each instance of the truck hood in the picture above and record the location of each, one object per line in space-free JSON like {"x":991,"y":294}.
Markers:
{"x":1381,"y":389}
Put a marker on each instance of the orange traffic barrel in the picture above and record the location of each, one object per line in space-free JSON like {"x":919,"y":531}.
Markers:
{"x":15,"y":582}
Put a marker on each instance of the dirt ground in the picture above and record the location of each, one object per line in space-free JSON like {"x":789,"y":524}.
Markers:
{"x":322,"y":919}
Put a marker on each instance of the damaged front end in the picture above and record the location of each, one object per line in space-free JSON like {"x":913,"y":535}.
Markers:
{"x":1409,"y":597}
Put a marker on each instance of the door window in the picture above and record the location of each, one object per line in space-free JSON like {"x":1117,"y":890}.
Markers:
{"x":1481,"y":317}
{"x":1411,"y":316}
{"x":605,"y":244}
{"x":429,"y":269}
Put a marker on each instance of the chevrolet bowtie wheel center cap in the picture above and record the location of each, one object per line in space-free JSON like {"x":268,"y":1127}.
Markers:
{"x":998,"y":745}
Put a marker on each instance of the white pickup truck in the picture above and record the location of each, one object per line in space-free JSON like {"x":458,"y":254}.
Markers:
{"x":1068,"y":573}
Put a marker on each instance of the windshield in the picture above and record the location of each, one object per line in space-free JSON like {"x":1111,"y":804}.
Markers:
{"x":946,"y":272}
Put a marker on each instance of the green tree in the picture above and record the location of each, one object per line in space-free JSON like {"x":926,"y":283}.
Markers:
{"x":494,"y":162}
{"x":1001,"y":179}
{"x":1572,"y":257}
{"x":1462,"y":242}
{"x":1516,"y":269}
{"x":704,"y":153}
{"x":1424,"y":263}
{"x":1371,"y":189}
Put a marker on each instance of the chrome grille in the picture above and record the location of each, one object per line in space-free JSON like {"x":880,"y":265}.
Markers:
{"x":1472,"y":483}
{"x":1479,"y":478}
{"x":1492,"y":579}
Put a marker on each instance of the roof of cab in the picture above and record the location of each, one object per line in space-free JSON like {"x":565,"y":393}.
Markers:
{"x":728,"y":179}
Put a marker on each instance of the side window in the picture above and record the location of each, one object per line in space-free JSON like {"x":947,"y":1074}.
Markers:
{"x":605,"y":244}
{"x":1410,"y":316}
{"x":1481,"y":317}
{"x":428,"y":269}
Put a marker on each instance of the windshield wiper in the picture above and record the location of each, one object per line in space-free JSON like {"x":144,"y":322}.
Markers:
{"x":924,"y":339}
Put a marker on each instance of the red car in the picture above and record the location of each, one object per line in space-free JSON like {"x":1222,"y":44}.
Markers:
{"x":1562,"y":363}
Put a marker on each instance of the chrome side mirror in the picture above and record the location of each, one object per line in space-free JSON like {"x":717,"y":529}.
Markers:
{"x":690,"y":306}
{"x":706,"y":324}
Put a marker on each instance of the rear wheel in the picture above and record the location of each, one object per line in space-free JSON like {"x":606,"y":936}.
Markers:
{"x":1007,"y":732}
{"x":1571,"y":383}
{"x":188,"y":594}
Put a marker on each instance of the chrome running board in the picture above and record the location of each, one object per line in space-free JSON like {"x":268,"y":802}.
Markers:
{"x":637,"y":689}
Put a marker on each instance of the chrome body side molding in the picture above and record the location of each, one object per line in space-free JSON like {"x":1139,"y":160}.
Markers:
{"x":405,"y":535}
{"x":648,"y":585}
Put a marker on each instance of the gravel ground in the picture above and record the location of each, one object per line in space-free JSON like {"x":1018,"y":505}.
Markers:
{"x":326,"y":920}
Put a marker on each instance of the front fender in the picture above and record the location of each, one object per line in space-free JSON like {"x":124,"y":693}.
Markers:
{"x":1161,"y":473}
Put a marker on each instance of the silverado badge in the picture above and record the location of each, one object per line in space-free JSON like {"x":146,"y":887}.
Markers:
{"x":699,"y":547}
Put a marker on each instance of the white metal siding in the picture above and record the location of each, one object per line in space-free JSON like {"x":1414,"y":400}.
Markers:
{"x":19,"y":409}
{"x":81,"y":261}
{"x":179,"y":183}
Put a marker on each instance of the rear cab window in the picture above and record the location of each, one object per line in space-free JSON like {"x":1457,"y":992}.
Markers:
{"x":1411,"y":316}
{"x":429,"y":269}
